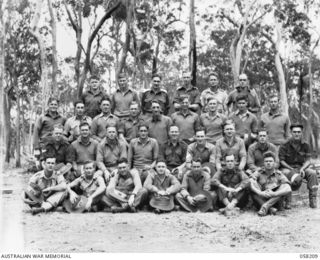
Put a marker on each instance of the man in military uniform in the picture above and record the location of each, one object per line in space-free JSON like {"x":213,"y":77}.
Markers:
{"x":46,"y":189}
{"x":125,"y":192}
{"x":155,"y":93}
{"x":91,"y":185}
{"x":268,"y":186}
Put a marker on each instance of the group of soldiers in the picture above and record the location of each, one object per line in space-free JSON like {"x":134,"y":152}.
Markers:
{"x":126,"y":152}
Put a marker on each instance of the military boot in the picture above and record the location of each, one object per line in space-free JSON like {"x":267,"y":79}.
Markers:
{"x":313,"y":198}
{"x":35,"y":211}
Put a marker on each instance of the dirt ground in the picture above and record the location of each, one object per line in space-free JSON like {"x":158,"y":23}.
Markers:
{"x":297,"y":230}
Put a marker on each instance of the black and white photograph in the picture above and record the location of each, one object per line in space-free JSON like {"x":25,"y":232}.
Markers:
{"x":159,"y":126}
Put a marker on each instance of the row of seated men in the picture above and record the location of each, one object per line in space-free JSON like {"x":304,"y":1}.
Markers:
{"x":228,"y":189}
{"x":217,"y":169}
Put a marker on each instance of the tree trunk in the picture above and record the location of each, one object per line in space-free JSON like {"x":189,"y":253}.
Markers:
{"x":54,"y":87}
{"x":130,"y":8}
{"x":43,"y":60}
{"x":18,"y":131}
{"x":87,"y":61}
{"x":192,"y":51}
{"x":31,"y":121}
{"x":2,"y":70}
{"x":279,"y":67}
{"x":7,"y":126}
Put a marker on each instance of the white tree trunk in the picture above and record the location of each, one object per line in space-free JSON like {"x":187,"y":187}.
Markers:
{"x":53,"y":23}
{"x":43,"y":59}
{"x":279,"y":67}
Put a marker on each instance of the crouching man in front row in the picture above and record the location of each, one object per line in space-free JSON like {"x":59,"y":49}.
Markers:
{"x":194,"y":195}
{"x":232,"y":185}
{"x":162,"y":186}
{"x":46,"y":189}
{"x":92,"y":187}
{"x":124,"y":192}
{"x":269,"y":185}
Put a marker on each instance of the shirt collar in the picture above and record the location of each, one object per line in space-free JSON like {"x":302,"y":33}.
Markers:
{"x":42,"y":175}
{"x":95,"y":94}
{"x":80,"y":141}
{"x":207,"y":115}
{"x":127,"y":91}
{"x":187,"y":114}
{"x":102,"y":115}
{"x":148,"y":140}
{"x":49,"y":115}
{"x":234,"y":140}
{"x":237,"y":113}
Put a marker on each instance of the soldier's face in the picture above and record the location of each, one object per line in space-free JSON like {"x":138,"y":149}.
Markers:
{"x":242,"y":105}
{"x":243,"y":81}
{"x":80,"y":109}
{"x":57,"y":133}
{"x":229,"y":130}
{"x":89,"y":170}
{"x":111,"y":133}
{"x":122,"y":82}
{"x":155,"y":108}
{"x":53,"y":106}
{"x":230,"y":162}
{"x":269,"y":163}
{"x":174,"y":132}
{"x":196,"y":167}
{"x":200,"y":137}
{"x":296,"y":133}
{"x":122,"y":168}
{"x":49,"y":164}
{"x":85,"y":131}
{"x":156,"y":82}
{"x":186,"y":78}
{"x":212,"y":105}
{"x":262,"y":137}
{"x":143,"y":132}
{"x":94,"y":84}
{"x":185,"y":103}
{"x":134,"y":110}
{"x":213,"y":81}
{"x":105,"y":106}
{"x":161,"y":168}
{"x":274,"y":103}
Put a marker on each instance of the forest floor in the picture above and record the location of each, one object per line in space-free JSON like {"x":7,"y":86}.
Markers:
{"x":296,"y":230}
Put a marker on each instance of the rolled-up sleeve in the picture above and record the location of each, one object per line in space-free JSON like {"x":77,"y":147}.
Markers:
{"x":174,"y":187}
